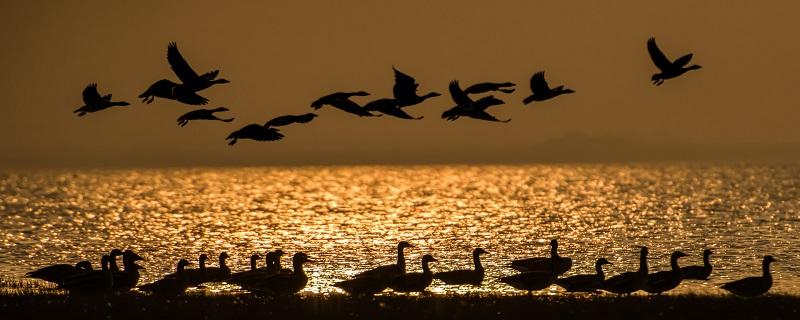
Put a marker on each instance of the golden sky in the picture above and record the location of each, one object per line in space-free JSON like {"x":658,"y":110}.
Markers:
{"x":282,"y":55}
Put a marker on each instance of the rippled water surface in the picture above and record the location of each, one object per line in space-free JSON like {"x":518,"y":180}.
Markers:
{"x":350,"y":218}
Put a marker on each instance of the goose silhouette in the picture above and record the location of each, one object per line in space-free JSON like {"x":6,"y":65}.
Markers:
{"x":485,"y":87}
{"x":699,"y":272}
{"x":290,"y":119}
{"x":473,"y":277}
{"x":58,"y":272}
{"x":752,"y":286}
{"x":415,"y":281}
{"x":93,"y":102}
{"x":389,"y":271}
{"x":341,"y":101}
{"x":284,"y":284}
{"x":628,"y":282}
{"x":669,"y":69}
{"x":127,"y":278}
{"x":562,"y":264}
{"x":585,"y":282}
{"x":171,"y":285}
{"x":469,"y":108}
{"x":255,"y":132}
{"x":390,"y":107}
{"x":541,"y":91}
{"x":662,"y":281}
{"x":202,"y":114}
{"x":173,"y":91}
{"x":405,"y":90}
{"x":91,"y":282}
{"x":187,"y":75}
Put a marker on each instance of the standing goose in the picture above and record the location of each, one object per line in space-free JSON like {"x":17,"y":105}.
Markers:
{"x":484,"y":87}
{"x":201,"y":114}
{"x":628,"y":282}
{"x":238,"y":276}
{"x":195,"y":277}
{"x":188,"y":76}
{"x":218,"y":274}
{"x":666,"y":280}
{"x":585,"y":282}
{"x":669,"y":69}
{"x":341,"y":101}
{"x":405,"y":90}
{"x":284,"y":284}
{"x":752,"y":286}
{"x":171,"y":285}
{"x":170,"y":90}
{"x":364,"y":286}
{"x":275,"y":266}
{"x":699,"y":272}
{"x":290,"y":119}
{"x":533,"y":280}
{"x":415,"y":281}
{"x":562,"y":264}
{"x":389,"y":107}
{"x":58,"y":272}
{"x":389,"y":271}
{"x":93,"y":102}
{"x":112,"y":263}
{"x":255,"y":132}
{"x":128,"y":278}
{"x":473,"y":277}
{"x":468,"y":108}
{"x":91,"y":282}
{"x":541,"y":91}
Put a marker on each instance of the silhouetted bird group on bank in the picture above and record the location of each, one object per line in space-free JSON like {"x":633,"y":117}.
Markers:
{"x":536,"y":273}
{"x":405,"y":94}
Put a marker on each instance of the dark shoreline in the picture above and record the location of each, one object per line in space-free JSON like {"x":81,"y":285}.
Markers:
{"x":226,"y":306}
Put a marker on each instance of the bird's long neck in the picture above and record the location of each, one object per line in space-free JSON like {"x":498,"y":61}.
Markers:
{"x":202,"y":264}
{"x":425,"y":268}
{"x":476,"y":258}
{"x":104,"y":265}
{"x":128,"y":264}
{"x":765,"y":267}
{"x":599,"y":269}
{"x":707,"y":261}
{"x":112,"y":264}
{"x":180,"y":268}
{"x":429,"y":95}
{"x":401,"y":259}
{"x":643,"y":263}
{"x":277,"y":263}
{"x":253,"y":263}
{"x":673,"y":262}
{"x":298,"y":267}
{"x":222,"y":264}
{"x":217,"y":109}
{"x":554,"y":251}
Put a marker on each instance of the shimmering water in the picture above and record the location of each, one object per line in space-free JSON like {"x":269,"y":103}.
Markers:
{"x":350,"y":218}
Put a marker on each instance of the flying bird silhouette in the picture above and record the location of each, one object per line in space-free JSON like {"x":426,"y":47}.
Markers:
{"x":405,"y":90}
{"x":541,"y":91}
{"x":290,"y":119}
{"x":468,"y":108}
{"x":201,"y":114}
{"x":390,"y":107}
{"x":188,"y":76}
{"x":255,"y":132}
{"x":170,"y":90}
{"x":341,"y":101}
{"x":93,"y":102}
{"x":669,"y":69}
{"x":484,"y":87}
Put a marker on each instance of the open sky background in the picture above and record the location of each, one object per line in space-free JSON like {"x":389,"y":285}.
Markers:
{"x":282,"y":55}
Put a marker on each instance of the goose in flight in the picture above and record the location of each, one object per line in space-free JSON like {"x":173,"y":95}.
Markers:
{"x":172,"y":285}
{"x":563,"y":264}
{"x":201,"y":114}
{"x":666,"y":280}
{"x":483,"y":87}
{"x":390,"y":107}
{"x":93,"y":102}
{"x":541,"y":91}
{"x":188,"y":76}
{"x":405,"y":90}
{"x":341,"y":101}
{"x":628,"y":282}
{"x":465,"y":276}
{"x":170,"y":90}
{"x":752,"y":286}
{"x":699,"y":272}
{"x":669,"y":69}
{"x":290,"y":119}
{"x":58,"y":272}
{"x":585,"y":282}
{"x":389,"y":271}
{"x":468,"y":108}
{"x":415,"y":281}
{"x":255,"y":132}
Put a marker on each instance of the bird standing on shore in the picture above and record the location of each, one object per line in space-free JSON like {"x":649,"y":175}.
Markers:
{"x":466,"y":276}
{"x":752,"y":286}
{"x":585,"y":282}
{"x":628,"y":282}
{"x":662,"y":281}
{"x":562,"y":264}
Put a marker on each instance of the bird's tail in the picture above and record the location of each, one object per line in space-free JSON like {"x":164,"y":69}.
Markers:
{"x":528,"y":100}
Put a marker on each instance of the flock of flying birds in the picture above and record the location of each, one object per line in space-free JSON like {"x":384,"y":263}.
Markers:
{"x":537,"y":273}
{"x":468,"y":102}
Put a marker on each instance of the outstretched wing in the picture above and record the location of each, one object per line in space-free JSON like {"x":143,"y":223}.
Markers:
{"x":459,"y":97}
{"x":405,"y":86}
{"x":192,"y":98}
{"x":179,"y":64}
{"x":682,"y":61}
{"x":397,"y":112}
{"x":91,"y":96}
{"x":538,"y":84}
{"x":657,"y":56}
{"x":483,"y":115}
